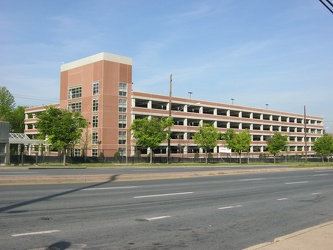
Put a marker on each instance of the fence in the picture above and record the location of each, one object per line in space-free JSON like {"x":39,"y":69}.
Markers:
{"x":37,"y":159}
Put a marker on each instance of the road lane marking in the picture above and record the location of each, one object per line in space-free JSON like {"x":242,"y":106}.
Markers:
{"x":320,"y":174}
{"x":298,"y":182}
{"x":105,"y":188}
{"x":160,"y":195}
{"x":157,"y":218}
{"x":237,"y":206}
{"x":254,"y":179}
{"x":315,"y":193}
{"x":282,"y":199}
{"x":34,"y":233}
{"x":153,"y":218}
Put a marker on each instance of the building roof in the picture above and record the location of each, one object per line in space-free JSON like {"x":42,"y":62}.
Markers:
{"x":96,"y":58}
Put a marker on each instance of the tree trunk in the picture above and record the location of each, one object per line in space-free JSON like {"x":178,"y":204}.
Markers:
{"x":274,"y":159}
{"x":240,"y":157}
{"x":151,"y":156}
{"x":64,"y":157}
{"x":206,"y":156}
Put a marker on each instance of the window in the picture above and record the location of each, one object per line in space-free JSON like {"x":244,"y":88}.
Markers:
{"x":94,"y":137}
{"x":95,"y":121}
{"x":122,"y":151}
{"x":74,"y":107}
{"x":94,"y":152}
{"x":122,"y":135}
{"x":77,"y":152}
{"x":75,"y":92}
{"x":95,"y":105}
{"x":122,"y":89}
{"x":122,"y":105}
{"x":95,"y":88}
{"x":121,"y":141}
{"x":122,"y":121}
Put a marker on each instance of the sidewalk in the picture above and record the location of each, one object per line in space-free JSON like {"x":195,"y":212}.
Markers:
{"x":314,"y":238}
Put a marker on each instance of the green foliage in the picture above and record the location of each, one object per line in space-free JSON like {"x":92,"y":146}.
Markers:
{"x":7,"y":103}
{"x":206,"y":137}
{"x":116,"y":154}
{"x":9,"y":112}
{"x":62,"y":128}
{"x":16,"y":119}
{"x":237,"y":142}
{"x":276,"y":143}
{"x":150,"y":133}
{"x":324,"y":146}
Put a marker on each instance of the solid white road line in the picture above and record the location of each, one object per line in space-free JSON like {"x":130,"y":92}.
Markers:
{"x":34,"y":233}
{"x":159,"y":195}
{"x":89,"y":189}
{"x":221,"y":208}
{"x":254,"y":179}
{"x":299,"y":182}
{"x":282,"y":199}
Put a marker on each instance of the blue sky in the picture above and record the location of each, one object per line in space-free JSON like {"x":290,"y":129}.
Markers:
{"x":257,"y":52}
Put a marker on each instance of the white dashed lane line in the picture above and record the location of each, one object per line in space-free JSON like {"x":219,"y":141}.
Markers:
{"x":229,"y":207}
{"x":282,"y":199}
{"x":160,"y":195}
{"x":321,"y":174}
{"x":154,"y":218}
{"x":298,"y":182}
{"x":35,"y":233}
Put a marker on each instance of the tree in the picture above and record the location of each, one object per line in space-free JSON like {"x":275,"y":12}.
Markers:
{"x":206,"y":138}
{"x":276,"y":143}
{"x":7,"y":103}
{"x":324,"y":146}
{"x":61,"y":127}
{"x":151,"y":132}
{"x":16,"y":119}
{"x":238,"y":142}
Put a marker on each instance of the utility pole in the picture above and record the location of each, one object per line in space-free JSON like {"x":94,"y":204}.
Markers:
{"x":170,"y":96}
{"x":305,"y":137}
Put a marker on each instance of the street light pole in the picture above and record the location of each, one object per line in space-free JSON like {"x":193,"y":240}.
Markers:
{"x":170,"y":96}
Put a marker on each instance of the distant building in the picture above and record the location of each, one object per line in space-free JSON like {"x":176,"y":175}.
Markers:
{"x":100,"y":87}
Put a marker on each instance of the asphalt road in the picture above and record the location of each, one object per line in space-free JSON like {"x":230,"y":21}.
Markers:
{"x":220,"y":212}
{"x":40,"y":171}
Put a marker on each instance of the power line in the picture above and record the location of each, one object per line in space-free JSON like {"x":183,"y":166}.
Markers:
{"x":329,"y":7}
{"x":35,"y":98}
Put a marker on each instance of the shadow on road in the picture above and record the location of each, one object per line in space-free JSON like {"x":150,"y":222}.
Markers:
{"x":61,"y":245}
{"x":21,"y":204}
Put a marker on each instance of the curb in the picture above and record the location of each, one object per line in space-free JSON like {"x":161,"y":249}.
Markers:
{"x":288,"y":236}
